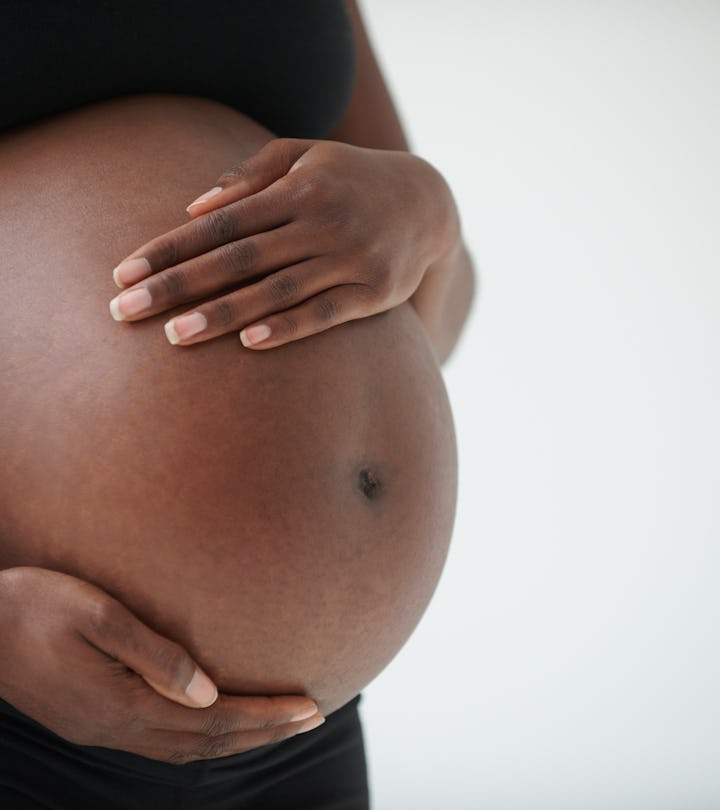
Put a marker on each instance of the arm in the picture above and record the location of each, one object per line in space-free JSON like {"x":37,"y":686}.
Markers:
{"x":444,"y":296}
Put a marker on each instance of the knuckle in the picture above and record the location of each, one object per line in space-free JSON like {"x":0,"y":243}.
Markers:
{"x":380,"y":289}
{"x":329,"y":149}
{"x":324,"y":198}
{"x":270,"y":724}
{"x":163,"y":253}
{"x":311,"y":187}
{"x":327,"y":309}
{"x":376,"y":275}
{"x":283,"y":151}
{"x":240,"y":257}
{"x":224,"y":312}
{"x":175,"y":663}
{"x":288,"y":325}
{"x":238,"y":171}
{"x":215,"y":725}
{"x":103,"y":618}
{"x":220,"y":224}
{"x":212,"y":747}
{"x":323,"y":186}
{"x":285,"y":147}
{"x":172,"y":284}
{"x":283,"y":288}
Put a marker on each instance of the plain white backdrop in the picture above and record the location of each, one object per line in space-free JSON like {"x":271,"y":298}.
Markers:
{"x":571,"y":656}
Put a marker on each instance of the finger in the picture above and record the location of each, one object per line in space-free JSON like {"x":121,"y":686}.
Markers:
{"x":162,"y":663}
{"x":274,"y":293}
{"x":231,"y":713}
{"x":262,"y":212}
{"x":230,"y":265}
{"x":179,"y":748}
{"x":323,"y":311}
{"x":251,"y":175}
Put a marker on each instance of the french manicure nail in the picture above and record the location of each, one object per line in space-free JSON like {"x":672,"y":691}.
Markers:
{"x":255,"y":334}
{"x":311,"y":724}
{"x":208,"y":195}
{"x":131,"y":271}
{"x":185,"y":326}
{"x":130,"y":303}
{"x":201,"y":689}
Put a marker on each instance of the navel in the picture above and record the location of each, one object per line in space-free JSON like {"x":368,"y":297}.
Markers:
{"x":369,"y":483}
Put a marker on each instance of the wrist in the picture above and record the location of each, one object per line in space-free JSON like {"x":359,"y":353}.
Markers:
{"x":442,"y":218}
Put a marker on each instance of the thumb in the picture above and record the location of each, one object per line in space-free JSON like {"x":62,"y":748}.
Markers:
{"x":163,"y":664}
{"x":259,"y":171}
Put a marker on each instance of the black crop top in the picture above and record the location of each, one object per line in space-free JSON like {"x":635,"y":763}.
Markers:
{"x":289,"y":64}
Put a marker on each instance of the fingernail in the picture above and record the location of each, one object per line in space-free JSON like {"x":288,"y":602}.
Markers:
{"x":311,"y":711}
{"x":201,"y":689}
{"x":208,"y":195}
{"x":185,"y":326}
{"x":311,"y":724}
{"x":131,"y":271}
{"x":255,"y":334}
{"x":130,"y":303}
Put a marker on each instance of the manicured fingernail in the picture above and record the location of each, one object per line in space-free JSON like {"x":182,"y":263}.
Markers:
{"x":131,"y":271}
{"x":185,"y":326}
{"x":208,"y":195}
{"x":311,"y":711}
{"x":311,"y":724}
{"x":201,"y":689}
{"x":255,"y":334}
{"x":130,"y":303}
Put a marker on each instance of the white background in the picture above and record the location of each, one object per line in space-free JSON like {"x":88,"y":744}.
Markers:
{"x":570,"y":658}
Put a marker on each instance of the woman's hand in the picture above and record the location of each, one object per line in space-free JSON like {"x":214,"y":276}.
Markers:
{"x":77,"y":661}
{"x":300,"y":237}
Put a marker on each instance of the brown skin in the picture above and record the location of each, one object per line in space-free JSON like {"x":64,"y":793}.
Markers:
{"x":82,"y":664}
{"x":311,"y":234}
{"x":116,"y":657}
{"x":75,"y":658}
{"x":281,"y":515}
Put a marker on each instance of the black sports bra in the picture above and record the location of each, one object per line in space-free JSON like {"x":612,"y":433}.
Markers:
{"x":289,"y":64}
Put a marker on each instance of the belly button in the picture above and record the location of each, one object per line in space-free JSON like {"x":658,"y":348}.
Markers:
{"x":369,"y":484}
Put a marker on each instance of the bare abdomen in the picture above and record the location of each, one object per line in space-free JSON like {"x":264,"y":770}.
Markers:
{"x":284,"y":514}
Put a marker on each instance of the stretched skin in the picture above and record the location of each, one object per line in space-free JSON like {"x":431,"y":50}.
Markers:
{"x":286,"y":514}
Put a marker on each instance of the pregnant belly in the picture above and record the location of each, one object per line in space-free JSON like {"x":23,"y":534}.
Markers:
{"x":283,"y":514}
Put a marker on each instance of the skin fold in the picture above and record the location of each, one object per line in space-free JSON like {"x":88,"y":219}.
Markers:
{"x":285,"y":514}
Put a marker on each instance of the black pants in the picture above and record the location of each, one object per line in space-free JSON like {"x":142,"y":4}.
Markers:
{"x":323,"y":769}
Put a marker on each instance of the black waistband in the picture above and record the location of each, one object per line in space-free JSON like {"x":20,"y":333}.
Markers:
{"x":35,"y":741}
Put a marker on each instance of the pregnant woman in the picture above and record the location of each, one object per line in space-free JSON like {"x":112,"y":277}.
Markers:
{"x":206,"y":549}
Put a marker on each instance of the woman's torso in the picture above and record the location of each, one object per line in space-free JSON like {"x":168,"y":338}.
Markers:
{"x":284,"y":514}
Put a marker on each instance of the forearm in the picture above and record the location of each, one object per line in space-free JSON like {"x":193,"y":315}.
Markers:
{"x":444,"y":296}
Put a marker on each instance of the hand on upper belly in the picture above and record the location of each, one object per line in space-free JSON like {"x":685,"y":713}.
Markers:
{"x":306,"y":234}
